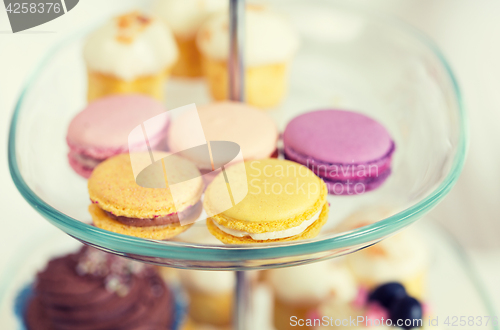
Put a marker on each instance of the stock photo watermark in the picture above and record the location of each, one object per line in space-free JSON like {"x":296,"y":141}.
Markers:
{"x":428,"y":322}
{"x":341,"y":179}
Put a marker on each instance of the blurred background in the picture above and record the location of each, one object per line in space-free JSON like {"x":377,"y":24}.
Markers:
{"x":467,"y":33}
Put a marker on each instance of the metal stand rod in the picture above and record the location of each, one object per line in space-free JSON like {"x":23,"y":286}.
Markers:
{"x":242,"y":303}
{"x":236,"y":71}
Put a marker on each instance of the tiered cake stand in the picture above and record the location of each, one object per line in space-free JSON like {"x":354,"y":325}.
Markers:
{"x":348,"y":59}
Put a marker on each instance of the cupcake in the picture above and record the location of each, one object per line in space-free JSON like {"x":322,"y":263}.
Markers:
{"x":94,"y":290}
{"x":185,"y":17}
{"x":210,"y":296}
{"x":401,"y":258}
{"x":270,"y":45}
{"x":299,"y":291}
{"x":132,"y":53}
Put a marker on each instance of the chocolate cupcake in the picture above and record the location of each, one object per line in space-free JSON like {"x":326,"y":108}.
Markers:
{"x":93,"y":290}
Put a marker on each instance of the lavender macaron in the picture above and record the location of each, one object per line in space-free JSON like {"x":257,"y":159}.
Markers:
{"x":351,"y":152}
{"x":102,"y":129}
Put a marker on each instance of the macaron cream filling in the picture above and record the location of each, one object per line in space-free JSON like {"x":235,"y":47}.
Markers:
{"x":85,"y":161}
{"x":273,"y":234}
{"x":190,"y":214}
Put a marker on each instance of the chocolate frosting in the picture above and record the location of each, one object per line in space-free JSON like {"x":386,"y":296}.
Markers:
{"x":188,"y":215}
{"x":93,"y":290}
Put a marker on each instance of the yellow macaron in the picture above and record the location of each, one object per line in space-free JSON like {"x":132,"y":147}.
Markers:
{"x":122,"y":206}
{"x":284,"y":201}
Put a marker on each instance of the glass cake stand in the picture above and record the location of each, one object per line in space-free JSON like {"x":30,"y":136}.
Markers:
{"x":349,"y":59}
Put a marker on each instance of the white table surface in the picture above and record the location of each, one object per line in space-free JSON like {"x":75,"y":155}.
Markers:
{"x":467,"y":31}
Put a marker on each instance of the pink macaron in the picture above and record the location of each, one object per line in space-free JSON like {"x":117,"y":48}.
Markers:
{"x":102,"y":129}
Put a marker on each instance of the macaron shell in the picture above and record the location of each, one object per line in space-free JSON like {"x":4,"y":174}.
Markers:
{"x":311,"y":232}
{"x":102,"y":129}
{"x":271,"y":226}
{"x":254,"y":131}
{"x":296,"y":190}
{"x":101,"y":220}
{"x":113,"y":187}
{"x":338,"y":137}
{"x":341,"y":187}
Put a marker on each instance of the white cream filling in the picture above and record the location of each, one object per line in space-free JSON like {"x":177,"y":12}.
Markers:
{"x":273,"y":234}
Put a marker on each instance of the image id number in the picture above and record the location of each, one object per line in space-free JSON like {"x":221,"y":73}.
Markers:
{"x":478,"y":321}
{"x":31,"y":7}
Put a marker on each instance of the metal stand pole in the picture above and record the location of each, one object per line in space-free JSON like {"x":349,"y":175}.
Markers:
{"x":236,"y":91}
{"x":236,"y":68}
{"x":242,"y":304}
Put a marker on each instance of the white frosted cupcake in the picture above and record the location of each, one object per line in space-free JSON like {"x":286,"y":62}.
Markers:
{"x":185,"y":17}
{"x":402,"y":258}
{"x":210,"y":295}
{"x":270,"y":45}
{"x":132,"y":53}
{"x":299,"y":291}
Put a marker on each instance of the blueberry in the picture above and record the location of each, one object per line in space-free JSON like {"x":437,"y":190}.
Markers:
{"x":406,"y":309}
{"x":388,"y":293}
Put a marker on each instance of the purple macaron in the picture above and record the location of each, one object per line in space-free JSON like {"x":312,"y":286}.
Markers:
{"x":102,"y":129}
{"x":351,"y":152}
